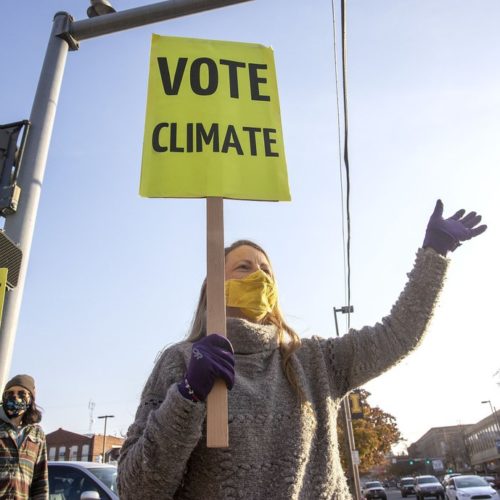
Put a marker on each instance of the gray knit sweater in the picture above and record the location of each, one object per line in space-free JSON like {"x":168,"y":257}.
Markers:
{"x":277,"y":449}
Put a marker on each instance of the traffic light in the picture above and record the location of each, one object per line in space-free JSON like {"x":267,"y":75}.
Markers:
{"x":427,"y":460}
{"x":411,"y":462}
{"x":10,"y":161}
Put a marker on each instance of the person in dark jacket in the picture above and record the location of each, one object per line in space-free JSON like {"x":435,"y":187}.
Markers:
{"x":23,"y":449}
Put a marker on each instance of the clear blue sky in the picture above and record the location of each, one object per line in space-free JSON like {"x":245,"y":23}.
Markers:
{"x":114,"y":278}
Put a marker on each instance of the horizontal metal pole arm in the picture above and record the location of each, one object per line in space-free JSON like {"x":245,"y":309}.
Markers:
{"x":140,"y":16}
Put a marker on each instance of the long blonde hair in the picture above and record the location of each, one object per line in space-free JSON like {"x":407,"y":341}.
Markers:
{"x":275,"y":317}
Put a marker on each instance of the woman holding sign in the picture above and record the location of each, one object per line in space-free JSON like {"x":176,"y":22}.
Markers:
{"x":286,"y":392}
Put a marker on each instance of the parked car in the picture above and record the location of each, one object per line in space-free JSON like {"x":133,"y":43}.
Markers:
{"x":490,"y":479}
{"x":407,"y":486}
{"x":82,"y":481}
{"x":447,"y":477}
{"x":470,"y":486}
{"x":428,"y":486}
{"x":374,"y":489}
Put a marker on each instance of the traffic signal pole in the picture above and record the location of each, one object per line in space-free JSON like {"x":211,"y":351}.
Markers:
{"x":352,"y":448}
{"x":355,"y":483}
{"x":65,"y":36}
{"x":20,"y":225}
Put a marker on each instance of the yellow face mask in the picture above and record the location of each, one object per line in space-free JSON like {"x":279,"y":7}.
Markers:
{"x":255,"y":295}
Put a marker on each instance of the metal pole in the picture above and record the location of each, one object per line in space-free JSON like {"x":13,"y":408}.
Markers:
{"x":140,"y":16}
{"x":105,"y":417}
{"x":20,"y":226}
{"x":65,"y":35}
{"x":352,"y":448}
{"x":346,"y":415}
{"x":104,"y":442}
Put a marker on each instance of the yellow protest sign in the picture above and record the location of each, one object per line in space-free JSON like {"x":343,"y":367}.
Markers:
{"x":3,"y":286}
{"x":213,"y":126}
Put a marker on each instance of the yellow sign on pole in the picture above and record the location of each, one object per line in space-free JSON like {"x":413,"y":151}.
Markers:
{"x":3,"y":286}
{"x":356,"y":406}
{"x":213,"y":126}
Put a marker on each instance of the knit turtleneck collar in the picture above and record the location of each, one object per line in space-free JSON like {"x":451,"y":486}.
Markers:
{"x":251,"y":338}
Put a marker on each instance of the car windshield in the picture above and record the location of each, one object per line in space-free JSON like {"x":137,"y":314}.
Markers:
{"x":107,"y":475}
{"x":373,"y":484}
{"x":407,"y":481}
{"x":470,"y":482}
{"x":427,"y":479}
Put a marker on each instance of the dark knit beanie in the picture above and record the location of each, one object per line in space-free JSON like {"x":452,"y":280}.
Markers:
{"x":23,"y":380}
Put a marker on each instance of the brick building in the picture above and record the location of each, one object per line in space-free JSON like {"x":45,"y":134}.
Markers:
{"x":446,"y":444}
{"x":66,"y":445}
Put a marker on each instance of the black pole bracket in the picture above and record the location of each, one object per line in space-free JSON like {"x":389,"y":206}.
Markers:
{"x":11,"y":157}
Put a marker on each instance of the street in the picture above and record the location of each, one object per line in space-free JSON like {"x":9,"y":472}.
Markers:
{"x":395,"y":494}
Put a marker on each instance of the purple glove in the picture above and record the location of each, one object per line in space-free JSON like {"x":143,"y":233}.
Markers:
{"x":212,"y":357}
{"x":445,"y":235}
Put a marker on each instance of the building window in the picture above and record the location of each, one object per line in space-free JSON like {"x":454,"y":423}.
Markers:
{"x":85,"y":452}
{"x":52,"y":453}
{"x":73,"y":452}
{"x":62,"y":453}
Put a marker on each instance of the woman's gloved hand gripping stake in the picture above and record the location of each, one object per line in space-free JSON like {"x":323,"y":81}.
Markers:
{"x":210,"y":371}
{"x":217,"y":426}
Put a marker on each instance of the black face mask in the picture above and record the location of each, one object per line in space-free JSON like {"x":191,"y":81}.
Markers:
{"x":14,"y":407}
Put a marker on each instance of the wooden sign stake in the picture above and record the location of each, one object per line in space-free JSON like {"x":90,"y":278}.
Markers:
{"x":217,"y":413}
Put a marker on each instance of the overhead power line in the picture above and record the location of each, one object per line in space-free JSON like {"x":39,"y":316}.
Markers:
{"x":343,"y":123}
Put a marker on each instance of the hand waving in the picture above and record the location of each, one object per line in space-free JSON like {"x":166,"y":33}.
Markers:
{"x":445,"y":235}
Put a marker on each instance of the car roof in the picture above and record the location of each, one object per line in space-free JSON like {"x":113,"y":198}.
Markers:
{"x":84,"y":465}
{"x":469,"y":475}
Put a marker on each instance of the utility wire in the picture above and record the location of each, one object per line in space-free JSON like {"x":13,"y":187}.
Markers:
{"x":354,"y":481}
{"x":339,"y":140}
{"x":346,"y":213}
{"x":346,"y":152}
